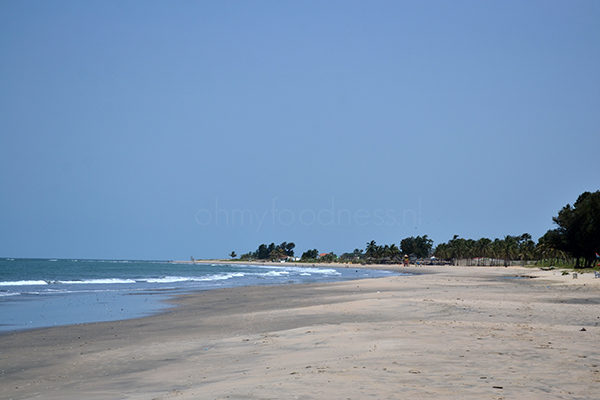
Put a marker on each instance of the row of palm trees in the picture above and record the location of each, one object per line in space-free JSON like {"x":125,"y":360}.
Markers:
{"x":499,"y":251}
{"x":377,"y":253}
{"x":482,"y":252}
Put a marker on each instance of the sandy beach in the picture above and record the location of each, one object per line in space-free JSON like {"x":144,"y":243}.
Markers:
{"x":447,"y":333}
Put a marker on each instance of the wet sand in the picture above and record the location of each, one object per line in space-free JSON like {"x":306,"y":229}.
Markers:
{"x":449,"y":333}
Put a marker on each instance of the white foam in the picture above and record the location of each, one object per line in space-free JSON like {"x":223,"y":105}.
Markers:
{"x":167,"y":279}
{"x":303,"y":270}
{"x":321,"y":271}
{"x":97,"y":281}
{"x":276,"y":273}
{"x":23,"y":283}
{"x":6,"y":294}
{"x":208,"y":278}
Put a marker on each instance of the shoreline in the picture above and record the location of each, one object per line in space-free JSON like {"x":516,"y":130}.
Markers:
{"x":120,"y":295}
{"x":448,"y":332}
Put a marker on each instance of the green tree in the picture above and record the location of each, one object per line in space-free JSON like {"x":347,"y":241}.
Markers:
{"x":497,"y":250}
{"x":329,"y":258}
{"x":288,"y":248}
{"x":277,"y":254}
{"x":509,"y":248}
{"x":272,"y":251}
{"x":393,"y":252}
{"x":408,"y":246}
{"x":371,"y":250}
{"x":526,"y":248}
{"x":442,"y":251}
{"x":578,"y":231}
{"x":262,"y":253}
{"x":470,"y":250}
{"x":423,"y":246}
{"x":457,"y":247}
{"x":547,"y":249}
{"x":483,"y":248}
{"x":310,"y":255}
{"x":419,"y":246}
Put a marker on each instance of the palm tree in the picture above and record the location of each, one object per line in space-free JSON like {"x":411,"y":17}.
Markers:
{"x":484,"y":246}
{"x":526,"y":247}
{"x":546,"y":249}
{"x":442,"y":251}
{"x":454,"y":248}
{"x":458,"y":248}
{"x":497,"y":250}
{"x":510,"y":248}
{"x":470,"y":250}
{"x":393,"y":252}
{"x":371,"y":250}
{"x":380,"y":251}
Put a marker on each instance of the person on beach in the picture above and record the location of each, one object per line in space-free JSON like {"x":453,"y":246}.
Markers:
{"x":406,"y":260}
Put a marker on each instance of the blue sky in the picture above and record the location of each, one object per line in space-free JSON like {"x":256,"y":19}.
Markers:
{"x":164,"y":130}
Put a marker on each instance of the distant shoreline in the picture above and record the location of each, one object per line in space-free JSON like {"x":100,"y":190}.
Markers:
{"x":391,"y":267}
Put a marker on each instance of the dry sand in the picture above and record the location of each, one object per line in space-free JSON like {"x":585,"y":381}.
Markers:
{"x":450,"y":333}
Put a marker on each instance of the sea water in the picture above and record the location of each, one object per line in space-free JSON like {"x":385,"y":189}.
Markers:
{"x":36,"y":293}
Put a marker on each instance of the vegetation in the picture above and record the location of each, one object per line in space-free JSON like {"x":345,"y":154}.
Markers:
{"x":310,"y":256}
{"x":419,"y":246}
{"x":576,"y":240}
{"x":578,"y":232}
{"x":487,"y":252}
{"x":382,"y":254}
{"x":328,"y":258}
{"x":271,"y":252}
{"x":356,"y":255}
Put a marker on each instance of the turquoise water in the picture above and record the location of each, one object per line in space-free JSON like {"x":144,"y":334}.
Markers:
{"x":37,"y":293}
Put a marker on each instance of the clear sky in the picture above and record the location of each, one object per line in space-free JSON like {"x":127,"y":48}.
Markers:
{"x":164,"y":130}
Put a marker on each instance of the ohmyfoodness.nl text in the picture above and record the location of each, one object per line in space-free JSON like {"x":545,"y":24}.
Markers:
{"x":276,"y":214}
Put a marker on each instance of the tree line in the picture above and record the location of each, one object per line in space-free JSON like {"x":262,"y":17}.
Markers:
{"x":576,"y":239}
{"x":484,"y":251}
{"x":269,"y":252}
{"x":419,"y":247}
{"x":373,"y":253}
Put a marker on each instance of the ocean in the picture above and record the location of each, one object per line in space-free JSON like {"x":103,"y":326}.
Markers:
{"x":37,"y":293}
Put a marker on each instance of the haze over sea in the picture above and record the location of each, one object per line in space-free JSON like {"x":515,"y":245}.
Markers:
{"x":36,"y":293}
